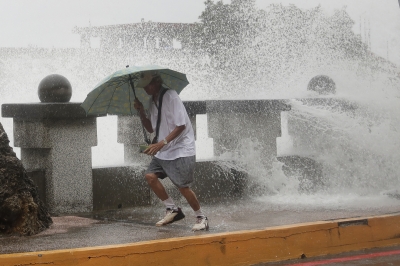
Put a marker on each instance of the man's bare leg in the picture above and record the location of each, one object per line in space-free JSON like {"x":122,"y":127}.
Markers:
{"x":173,"y":213}
{"x":202,"y":221}
{"x":190,"y":197}
{"x":156,"y":186}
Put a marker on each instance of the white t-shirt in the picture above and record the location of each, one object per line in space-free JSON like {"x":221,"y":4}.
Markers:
{"x":173,"y":114}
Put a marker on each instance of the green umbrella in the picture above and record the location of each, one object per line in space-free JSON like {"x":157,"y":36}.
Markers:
{"x":115,"y":94}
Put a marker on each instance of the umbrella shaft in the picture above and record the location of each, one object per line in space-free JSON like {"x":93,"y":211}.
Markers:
{"x":146,"y":139}
{"x":133,"y":88}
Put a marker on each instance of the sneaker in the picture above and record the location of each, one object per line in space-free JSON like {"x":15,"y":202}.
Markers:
{"x":201,"y":224}
{"x":171,"y":216}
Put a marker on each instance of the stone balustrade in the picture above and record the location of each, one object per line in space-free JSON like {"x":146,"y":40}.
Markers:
{"x":56,"y":138}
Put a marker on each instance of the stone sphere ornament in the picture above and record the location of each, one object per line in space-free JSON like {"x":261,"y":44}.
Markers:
{"x":54,"y":88}
{"x":322,"y":84}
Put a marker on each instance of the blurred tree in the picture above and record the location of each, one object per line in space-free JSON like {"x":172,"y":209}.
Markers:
{"x":252,"y":47}
{"x":225,"y":35}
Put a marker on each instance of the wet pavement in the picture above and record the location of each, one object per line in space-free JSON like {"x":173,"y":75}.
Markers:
{"x":132,"y":225}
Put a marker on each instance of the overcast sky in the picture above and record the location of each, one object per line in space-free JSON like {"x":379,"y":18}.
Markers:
{"x":49,"y":23}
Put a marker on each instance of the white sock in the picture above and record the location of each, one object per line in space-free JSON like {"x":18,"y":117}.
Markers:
{"x":169,"y":204}
{"x":199,"y":213}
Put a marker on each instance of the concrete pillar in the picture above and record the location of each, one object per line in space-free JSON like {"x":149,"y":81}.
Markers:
{"x":130,"y":133}
{"x":194,"y":108}
{"x":85,"y":40}
{"x":234,"y":124}
{"x":308,"y":133}
{"x":151,"y":42}
{"x":57,"y":137}
{"x":166,"y":43}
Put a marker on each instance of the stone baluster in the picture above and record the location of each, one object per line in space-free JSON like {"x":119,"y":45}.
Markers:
{"x":237,"y":126}
{"x":130,"y":133}
{"x":194,"y":108}
{"x":57,"y":138}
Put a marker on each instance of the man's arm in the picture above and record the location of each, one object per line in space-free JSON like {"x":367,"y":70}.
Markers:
{"x":154,"y":148}
{"x":145,"y":121}
{"x":142,"y":114}
{"x":175,"y":133}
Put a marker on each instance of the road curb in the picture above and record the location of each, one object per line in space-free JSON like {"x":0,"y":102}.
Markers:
{"x":234,"y":248}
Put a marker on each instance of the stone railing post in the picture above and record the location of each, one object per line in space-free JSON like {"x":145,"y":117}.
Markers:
{"x":304,"y":133}
{"x":194,"y":108}
{"x":231,"y":123}
{"x":57,"y":138}
{"x":130,"y":133}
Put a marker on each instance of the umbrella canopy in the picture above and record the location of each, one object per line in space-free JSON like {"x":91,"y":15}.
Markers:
{"x":116,"y":93}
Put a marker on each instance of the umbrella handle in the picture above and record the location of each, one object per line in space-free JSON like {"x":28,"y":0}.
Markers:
{"x":133,"y":87}
{"x":146,"y":139}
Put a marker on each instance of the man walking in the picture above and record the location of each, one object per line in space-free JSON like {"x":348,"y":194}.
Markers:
{"x":175,"y":153}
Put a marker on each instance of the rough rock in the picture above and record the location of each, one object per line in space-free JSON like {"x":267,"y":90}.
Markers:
{"x":21,"y":210}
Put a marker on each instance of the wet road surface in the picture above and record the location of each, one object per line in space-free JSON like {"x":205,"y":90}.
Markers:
{"x":123,"y":226}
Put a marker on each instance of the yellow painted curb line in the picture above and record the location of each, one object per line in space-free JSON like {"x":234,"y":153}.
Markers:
{"x":234,"y":248}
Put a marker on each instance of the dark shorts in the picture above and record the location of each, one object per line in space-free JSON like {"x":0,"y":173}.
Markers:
{"x":180,"y":171}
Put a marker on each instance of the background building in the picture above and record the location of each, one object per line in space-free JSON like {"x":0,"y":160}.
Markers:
{"x":142,"y":35}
